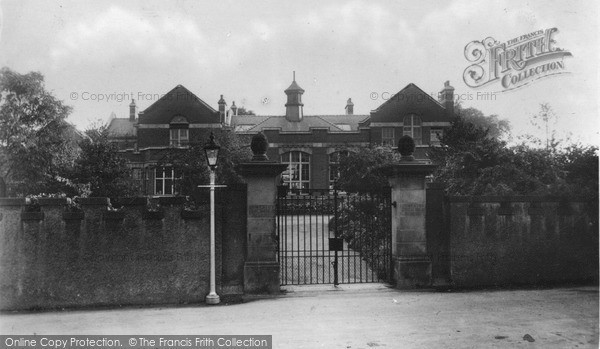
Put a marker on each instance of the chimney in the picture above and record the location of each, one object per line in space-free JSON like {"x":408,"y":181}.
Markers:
{"x":446,"y":98}
{"x":222,"y":106}
{"x":294,"y":107}
{"x":132,"y":110}
{"x":349,"y":107}
{"x":234,"y":108}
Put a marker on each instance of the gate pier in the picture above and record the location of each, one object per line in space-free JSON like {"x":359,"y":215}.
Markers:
{"x":261,"y":269}
{"x":412,"y":266}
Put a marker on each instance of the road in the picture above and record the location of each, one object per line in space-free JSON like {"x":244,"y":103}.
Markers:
{"x":356,"y":316}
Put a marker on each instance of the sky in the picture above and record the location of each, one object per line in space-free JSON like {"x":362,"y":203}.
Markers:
{"x":97,"y":56}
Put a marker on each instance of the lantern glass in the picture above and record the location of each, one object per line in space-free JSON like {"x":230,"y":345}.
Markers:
{"x":212,"y":155}
{"x":211,"y":149}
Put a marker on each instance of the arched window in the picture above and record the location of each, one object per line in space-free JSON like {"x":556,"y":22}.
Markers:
{"x":297,"y":175}
{"x":179,"y":132}
{"x":334,"y":165}
{"x":412,"y":127}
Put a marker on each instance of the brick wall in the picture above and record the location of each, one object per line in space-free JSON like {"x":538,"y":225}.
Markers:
{"x":320,"y":143}
{"x":53,"y":259}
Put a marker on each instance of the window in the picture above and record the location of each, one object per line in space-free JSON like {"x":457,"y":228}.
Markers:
{"x":387,"y":137}
{"x":179,"y":137}
{"x":137,"y":175}
{"x":334,"y":165}
{"x":297,"y":175}
{"x":412,"y":127}
{"x":435,"y":136}
{"x":165,"y":179}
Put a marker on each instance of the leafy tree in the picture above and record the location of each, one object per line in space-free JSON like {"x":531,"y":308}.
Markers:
{"x":37,"y":144}
{"x":466,"y":149}
{"x":100,"y":167}
{"x":243,"y":111}
{"x":471,"y":162}
{"x":495,"y":127}
{"x":579,"y":166}
{"x":358,"y":170}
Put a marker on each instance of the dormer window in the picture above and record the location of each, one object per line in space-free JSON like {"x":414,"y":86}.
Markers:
{"x":179,"y":132}
{"x":412,"y":127}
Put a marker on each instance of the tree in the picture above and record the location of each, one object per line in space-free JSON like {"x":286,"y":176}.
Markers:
{"x":471,"y":162}
{"x":579,"y":166}
{"x":33,"y":127}
{"x":100,"y":167}
{"x":243,"y":111}
{"x":493,"y":124}
{"x":467,"y":152}
{"x":542,"y":121}
{"x":358,"y":170}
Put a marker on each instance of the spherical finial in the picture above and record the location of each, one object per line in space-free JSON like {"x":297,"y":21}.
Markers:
{"x":259,"y":146}
{"x":406,"y":147}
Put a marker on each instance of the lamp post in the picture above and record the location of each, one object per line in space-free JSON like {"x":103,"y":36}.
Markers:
{"x":211,"y":149}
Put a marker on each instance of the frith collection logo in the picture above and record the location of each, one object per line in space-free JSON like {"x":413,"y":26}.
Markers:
{"x":515,"y":63}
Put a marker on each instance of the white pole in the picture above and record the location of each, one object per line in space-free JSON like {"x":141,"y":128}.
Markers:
{"x":212,"y":297}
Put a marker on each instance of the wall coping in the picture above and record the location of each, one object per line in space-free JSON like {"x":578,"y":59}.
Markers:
{"x":104,"y":201}
{"x":129,"y":201}
{"x":52,"y":201}
{"x":12,"y":201}
{"x":515,"y":198}
{"x":93,"y":201}
{"x":403,"y":168}
{"x":261,"y":168}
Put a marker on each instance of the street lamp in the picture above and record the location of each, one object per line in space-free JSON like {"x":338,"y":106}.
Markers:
{"x":211,"y":148}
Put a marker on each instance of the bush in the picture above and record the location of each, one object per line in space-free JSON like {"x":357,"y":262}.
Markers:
{"x":363,"y":221}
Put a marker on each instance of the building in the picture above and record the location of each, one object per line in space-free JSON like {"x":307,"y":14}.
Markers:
{"x":310,"y":144}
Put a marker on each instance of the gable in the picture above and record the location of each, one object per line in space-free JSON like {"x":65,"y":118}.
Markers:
{"x":182,"y":103}
{"x":410,"y":100}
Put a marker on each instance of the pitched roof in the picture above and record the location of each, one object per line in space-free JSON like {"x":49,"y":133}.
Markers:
{"x":248,"y":119}
{"x":410,"y":99}
{"x":121,"y":127}
{"x":179,"y":101}
{"x":305,"y":125}
{"x":402,"y":95}
{"x":335,"y":123}
{"x":353,"y":120}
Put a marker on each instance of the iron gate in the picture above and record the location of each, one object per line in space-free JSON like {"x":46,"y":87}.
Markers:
{"x":328,"y":236}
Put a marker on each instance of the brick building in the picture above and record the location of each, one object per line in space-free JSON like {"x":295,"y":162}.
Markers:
{"x":310,"y":144}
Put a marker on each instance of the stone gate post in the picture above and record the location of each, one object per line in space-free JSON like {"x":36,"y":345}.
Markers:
{"x":261,"y":269}
{"x":412,"y":266}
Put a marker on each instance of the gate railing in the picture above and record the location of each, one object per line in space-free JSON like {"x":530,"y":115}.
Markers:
{"x":329,"y":236}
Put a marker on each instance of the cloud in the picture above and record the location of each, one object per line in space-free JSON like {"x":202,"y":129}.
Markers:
{"x":370,"y":26}
{"x":117,"y":34}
